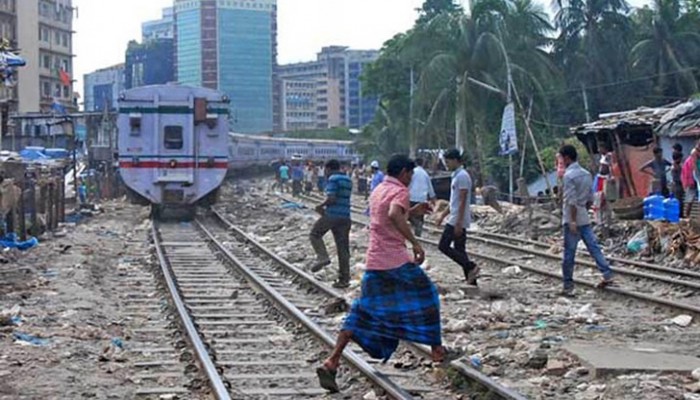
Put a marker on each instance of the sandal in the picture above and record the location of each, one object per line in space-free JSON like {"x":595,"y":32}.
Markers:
{"x":449,"y":355}
{"x":326,"y":379}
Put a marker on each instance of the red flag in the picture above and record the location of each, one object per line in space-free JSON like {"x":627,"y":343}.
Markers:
{"x":65,"y":77}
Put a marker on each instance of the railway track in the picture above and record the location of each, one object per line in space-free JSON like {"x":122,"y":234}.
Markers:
{"x":253,"y":329}
{"x":324,"y":294}
{"x":669,"y":287}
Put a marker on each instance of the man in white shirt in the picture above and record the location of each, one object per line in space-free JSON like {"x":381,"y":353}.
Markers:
{"x":421,"y":192}
{"x":453,"y":242}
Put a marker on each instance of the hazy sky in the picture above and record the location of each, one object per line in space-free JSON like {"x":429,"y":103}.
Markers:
{"x":104,"y":27}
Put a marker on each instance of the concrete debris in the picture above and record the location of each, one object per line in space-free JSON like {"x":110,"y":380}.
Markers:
{"x":537,"y":360}
{"x":513,"y":270}
{"x":370,"y":396}
{"x":682,"y":320}
{"x":696,"y":374}
{"x":586,"y":315}
{"x":556,"y":368}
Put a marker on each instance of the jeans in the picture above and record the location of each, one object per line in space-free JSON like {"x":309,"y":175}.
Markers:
{"x":417,"y":222}
{"x":571,"y":240}
{"x":341,"y":233}
{"x":458,"y":253}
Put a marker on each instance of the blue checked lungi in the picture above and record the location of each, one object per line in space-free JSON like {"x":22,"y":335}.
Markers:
{"x":399,"y":304}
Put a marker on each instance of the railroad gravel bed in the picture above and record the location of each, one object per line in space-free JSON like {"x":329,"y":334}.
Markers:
{"x":516,"y":326}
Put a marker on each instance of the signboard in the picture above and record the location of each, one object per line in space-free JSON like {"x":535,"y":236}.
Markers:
{"x":509,"y":136}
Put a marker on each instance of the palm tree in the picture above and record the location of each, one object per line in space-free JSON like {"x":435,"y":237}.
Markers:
{"x":668,"y":48}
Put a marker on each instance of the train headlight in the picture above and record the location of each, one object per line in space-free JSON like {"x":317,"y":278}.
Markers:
{"x":173,"y":164}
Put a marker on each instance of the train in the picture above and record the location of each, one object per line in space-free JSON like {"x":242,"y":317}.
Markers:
{"x":247,"y":151}
{"x":175,"y":148}
{"x":172,"y":145}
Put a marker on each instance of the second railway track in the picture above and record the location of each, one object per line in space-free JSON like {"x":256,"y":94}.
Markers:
{"x":674,"y":288}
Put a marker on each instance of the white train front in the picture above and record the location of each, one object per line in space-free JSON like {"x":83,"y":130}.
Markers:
{"x":175,"y":148}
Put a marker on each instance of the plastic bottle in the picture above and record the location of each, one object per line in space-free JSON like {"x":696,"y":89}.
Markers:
{"x":672,"y":210}
{"x":656,"y":208}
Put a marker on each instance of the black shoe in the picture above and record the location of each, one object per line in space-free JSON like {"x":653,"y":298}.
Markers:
{"x":319,"y":265}
{"x":568,"y":293}
{"x":341,"y":285}
{"x":473,"y":274}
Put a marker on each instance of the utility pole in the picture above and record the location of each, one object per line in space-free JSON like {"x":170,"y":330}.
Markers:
{"x":458,"y":118}
{"x":585,"y":103}
{"x":411,"y":125}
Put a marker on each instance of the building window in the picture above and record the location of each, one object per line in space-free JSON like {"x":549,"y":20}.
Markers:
{"x":57,"y":90}
{"x":64,"y":40}
{"x":46,"y":89}
{"x":173,"y":138}
{"x":66,"y":92}
{"x":46,"y":61}
{"x":57,"y":37}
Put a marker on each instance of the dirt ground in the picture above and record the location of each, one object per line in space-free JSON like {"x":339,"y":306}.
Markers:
{"x":61,"y":293}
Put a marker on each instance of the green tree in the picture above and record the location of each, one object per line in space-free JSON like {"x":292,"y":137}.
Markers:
{"x":668,"y":48}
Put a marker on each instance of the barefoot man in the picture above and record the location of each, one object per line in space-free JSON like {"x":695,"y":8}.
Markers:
{"x":398,"y":300}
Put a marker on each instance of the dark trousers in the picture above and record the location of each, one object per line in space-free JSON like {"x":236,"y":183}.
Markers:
{"x":417,"y":221}
{"x":458,"y":252}
{"x":296,"y":187}
{"x":341,"y":233}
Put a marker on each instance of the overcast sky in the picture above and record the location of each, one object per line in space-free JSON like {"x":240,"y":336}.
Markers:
{"x":104,"y":27}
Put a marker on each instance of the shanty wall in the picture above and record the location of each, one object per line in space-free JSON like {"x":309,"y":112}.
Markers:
{"x":637,"y":157}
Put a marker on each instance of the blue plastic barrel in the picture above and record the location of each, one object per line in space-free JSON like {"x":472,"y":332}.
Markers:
{"x":672,"y":210}
{"x":657,"y":211}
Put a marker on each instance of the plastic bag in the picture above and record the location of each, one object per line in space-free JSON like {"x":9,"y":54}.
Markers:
{"x":639,"y":242}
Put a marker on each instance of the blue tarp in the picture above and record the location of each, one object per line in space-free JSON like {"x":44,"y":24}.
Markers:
{"x":10,"y":241}
{"x":33,"y":155}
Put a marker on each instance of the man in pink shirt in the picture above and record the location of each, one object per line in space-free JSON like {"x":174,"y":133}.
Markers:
{"x":398,"y":300}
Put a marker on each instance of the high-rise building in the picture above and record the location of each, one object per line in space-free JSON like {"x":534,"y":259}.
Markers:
{"x":339,"y":99}
{"x":149,"y":63}
{"x":102,"y":88}
{"x":163,"y":28}
{"x":231,"y":46}
{"x":43,"y":31}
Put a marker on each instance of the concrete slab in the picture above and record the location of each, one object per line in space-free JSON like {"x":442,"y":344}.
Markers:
{"x":609,"y":360}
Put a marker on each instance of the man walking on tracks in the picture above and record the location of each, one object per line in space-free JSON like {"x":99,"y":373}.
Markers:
{"x":422,"y":192}
{"x":577,"y":225}
{"x":335,"y":217}
{"x":398,"y":300}
{"x":455,"y":232}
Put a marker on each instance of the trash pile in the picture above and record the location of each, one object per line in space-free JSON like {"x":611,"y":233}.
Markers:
{"x":679,"y":241}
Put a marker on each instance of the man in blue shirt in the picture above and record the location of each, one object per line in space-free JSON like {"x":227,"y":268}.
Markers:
{"x":297,"y":178}
{"x":335,"y":217}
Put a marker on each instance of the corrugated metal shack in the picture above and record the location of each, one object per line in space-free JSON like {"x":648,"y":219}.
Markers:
{"x":680,"y":125}
{"x":632,"y":137}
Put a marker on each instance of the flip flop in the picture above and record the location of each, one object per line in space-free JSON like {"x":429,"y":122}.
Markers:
{"x":326,"y":378}
{"x":450,"y":355}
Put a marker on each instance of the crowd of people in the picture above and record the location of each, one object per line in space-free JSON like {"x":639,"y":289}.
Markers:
{"x":307,"y":177}
{"x":398,"y":300}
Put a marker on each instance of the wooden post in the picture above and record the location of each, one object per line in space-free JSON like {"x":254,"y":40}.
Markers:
{"x":31,"y":192}
{"x":49,"y":207}
{"x":22,"y":212}
{"x":62,"y":198}
{"x":56,"y":203}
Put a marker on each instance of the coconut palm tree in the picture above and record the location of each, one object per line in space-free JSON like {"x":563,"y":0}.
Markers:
{"x":668,"y":48}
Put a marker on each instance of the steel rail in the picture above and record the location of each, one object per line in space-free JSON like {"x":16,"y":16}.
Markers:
{"x":361,"y":365}
{"x":217,"y":384}
{"x":641,"y":264}
{"x":622,"y":271}
{"x":641,"y":296}
{"x":629,"y":293}
{"x":482,"y":379}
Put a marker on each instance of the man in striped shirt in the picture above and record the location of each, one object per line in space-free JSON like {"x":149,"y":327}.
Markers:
{"x":335,"y":217}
